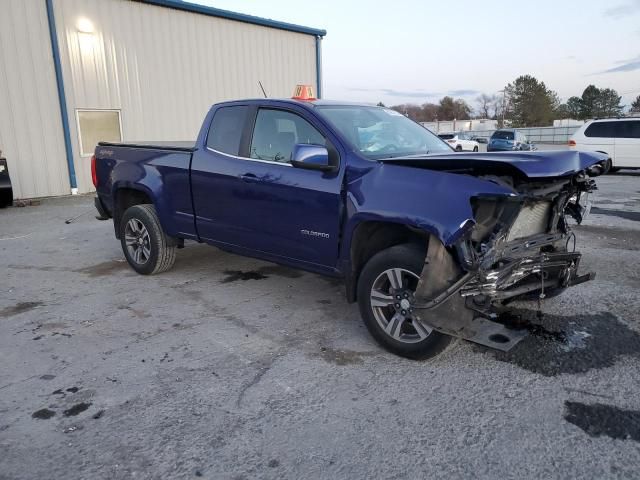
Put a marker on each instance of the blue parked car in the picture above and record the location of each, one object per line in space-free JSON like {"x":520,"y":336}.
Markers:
{"x":508,"y":140}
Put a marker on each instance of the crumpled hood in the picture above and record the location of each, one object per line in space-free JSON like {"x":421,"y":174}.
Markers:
{"x":536,"y":164}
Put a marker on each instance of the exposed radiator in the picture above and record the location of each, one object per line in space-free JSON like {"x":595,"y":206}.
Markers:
{"x":531,"y":220}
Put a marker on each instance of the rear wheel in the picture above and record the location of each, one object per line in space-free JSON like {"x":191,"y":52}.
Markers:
{"x":386,"y":290}
{"x":147,"y":249}
{"x":458,"y":148}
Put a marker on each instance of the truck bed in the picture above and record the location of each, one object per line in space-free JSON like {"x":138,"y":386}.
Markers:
{"x":182,"y":146}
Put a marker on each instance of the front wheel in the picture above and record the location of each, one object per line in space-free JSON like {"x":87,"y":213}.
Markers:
{"x":386,"y":288}
{"x":147,"y":249}
{"x":475,"y":149}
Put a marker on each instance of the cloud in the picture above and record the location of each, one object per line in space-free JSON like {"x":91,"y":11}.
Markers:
{"x":623,"y":66}
{"x":395,"y":93}
{"x":463,"y":92}
{"x":416,"y":93}
{"x":629,"y":8}
{"x":407,"y":93}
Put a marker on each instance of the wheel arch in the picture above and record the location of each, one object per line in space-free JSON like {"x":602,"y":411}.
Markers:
{"x":372,"y":236}
{"x":127,"y":196}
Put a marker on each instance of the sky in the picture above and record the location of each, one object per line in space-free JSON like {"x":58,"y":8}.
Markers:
{"x":411,"y":51}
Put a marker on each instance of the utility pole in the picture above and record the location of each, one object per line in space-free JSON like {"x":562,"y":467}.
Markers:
{"x":504,"y":98}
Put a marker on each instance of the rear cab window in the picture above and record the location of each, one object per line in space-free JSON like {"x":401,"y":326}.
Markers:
{"x":225,"y":131}
{"x":446,"y":136}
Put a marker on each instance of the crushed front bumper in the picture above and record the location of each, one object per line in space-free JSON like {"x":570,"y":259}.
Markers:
{"x":469,"y":304}
{"x":553,"y":270}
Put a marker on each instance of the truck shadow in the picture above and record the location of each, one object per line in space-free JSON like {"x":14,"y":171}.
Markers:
{"x":598,"y":420}
{"x":569,"y":344}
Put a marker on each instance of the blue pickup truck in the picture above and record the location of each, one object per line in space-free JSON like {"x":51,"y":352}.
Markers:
{"x":430,"y":243}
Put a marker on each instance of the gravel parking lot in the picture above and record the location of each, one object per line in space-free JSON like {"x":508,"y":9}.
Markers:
{"x":227,"y":367}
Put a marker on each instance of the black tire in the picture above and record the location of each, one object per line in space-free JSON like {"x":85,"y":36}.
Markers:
{"x":608,"y":166}
{"x":458,"y":148}
{"x":475,"y":149}
{"x":409,"y":258}
{"x":162,"y":250}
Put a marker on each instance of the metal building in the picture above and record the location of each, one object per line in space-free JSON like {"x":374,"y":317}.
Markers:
{"x":73,"y":72}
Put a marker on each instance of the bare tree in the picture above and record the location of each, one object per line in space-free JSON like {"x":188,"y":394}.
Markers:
{"x":485,"y":104}
{"x":497,"y":105}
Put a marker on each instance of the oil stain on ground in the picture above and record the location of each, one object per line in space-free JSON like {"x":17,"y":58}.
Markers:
{"x":604,"y":420}
{"x":260,"y":273}
{"x":235,"y":275}
{"x":76,"y":409}
{"x":103,"y":269}
{"x":43,"y":414}
{"x":558,"y":344}
{"x":18,"y":308}
{"x":343,"y":357}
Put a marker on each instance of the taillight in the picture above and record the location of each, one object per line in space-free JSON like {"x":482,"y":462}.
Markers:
{"x":451,"y":141}
{"x":94,"y":175}
{"x":572,"y":143}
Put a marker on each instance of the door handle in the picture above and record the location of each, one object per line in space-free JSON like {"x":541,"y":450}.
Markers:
{"x":249,"y":178}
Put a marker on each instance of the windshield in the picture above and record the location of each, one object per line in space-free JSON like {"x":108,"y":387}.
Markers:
{"x":378,"y":132}
{"x":503,"y":135}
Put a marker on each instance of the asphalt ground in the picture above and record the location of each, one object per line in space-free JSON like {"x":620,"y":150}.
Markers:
{"x":231,"y":368}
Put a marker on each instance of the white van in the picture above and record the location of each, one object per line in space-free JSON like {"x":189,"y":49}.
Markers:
{"x":617,"y":137}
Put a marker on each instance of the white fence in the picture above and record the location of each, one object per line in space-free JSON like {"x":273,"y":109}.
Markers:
{"x":448,"y":126}
{"x":552,"y":135}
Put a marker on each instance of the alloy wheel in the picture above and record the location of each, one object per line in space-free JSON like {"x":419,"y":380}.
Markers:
{"x":392,"y":301}
{"x":137,"y":241}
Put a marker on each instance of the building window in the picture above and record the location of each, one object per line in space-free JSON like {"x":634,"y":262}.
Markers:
{"x":97,"y":126}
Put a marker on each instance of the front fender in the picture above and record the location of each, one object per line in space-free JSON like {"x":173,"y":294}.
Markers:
{"x":436,"y":202}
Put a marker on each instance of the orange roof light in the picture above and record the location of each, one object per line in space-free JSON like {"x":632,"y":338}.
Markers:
{"x":303,"y":92}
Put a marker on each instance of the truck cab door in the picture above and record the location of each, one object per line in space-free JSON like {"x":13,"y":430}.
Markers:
{"x":256,"y":200}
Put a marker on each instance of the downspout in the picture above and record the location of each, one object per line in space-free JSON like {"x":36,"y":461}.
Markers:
{"x":319,"y":65}
{"x":62,"y":99}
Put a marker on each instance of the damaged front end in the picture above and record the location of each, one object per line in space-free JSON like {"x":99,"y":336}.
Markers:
{"x":518,"y":246}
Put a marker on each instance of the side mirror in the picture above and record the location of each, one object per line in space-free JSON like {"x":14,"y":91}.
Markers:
{"x":311,"y":157}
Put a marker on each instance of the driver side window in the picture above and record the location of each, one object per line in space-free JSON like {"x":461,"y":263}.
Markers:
{"x":277,"y":131}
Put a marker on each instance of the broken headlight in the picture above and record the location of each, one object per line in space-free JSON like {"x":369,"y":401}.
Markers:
{"x":579,"y":206}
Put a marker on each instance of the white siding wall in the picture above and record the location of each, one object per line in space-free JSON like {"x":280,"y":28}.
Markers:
{"x":163,"y":68}
{"x":30,"y":127}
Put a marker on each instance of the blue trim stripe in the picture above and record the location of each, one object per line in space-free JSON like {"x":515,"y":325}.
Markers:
{"x":240,"y":17}
{"x":62,"y":98}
